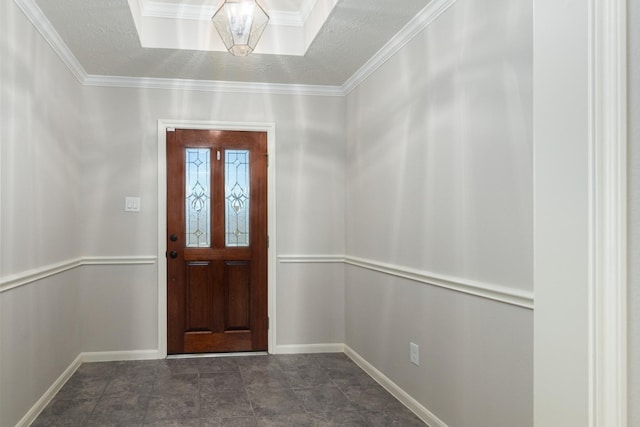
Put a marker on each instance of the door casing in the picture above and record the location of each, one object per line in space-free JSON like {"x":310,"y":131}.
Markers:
{"x":270,"y":129}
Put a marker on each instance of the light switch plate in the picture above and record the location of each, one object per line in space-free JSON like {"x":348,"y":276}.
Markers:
{"x":132,"y":204}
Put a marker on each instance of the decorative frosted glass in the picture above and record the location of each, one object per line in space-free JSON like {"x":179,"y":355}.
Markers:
{"x":236,"y":193}
{"x":198,"y":197}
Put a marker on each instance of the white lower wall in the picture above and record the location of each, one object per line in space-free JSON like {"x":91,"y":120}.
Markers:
{"x":118,"y":307}
{"x":476,"y":355}
{"x":310,"y":302}
{"x":39,"y":338}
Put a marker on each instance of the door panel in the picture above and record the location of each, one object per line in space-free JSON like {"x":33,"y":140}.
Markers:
{"x":199,"y":296}
{"x":238,"y":294}
{"x":216,"y":241}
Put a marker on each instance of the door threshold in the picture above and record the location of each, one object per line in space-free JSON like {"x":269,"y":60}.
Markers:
{"x":203,"y":355}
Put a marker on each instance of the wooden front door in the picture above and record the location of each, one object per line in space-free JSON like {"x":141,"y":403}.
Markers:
{"x":216,"y":241}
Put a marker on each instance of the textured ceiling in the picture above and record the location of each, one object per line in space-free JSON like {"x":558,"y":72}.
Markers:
{"x":102,"y":36}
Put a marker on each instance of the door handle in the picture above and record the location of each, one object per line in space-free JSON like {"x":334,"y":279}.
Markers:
{"x":173,"y":254}
{"x":173,"y":238}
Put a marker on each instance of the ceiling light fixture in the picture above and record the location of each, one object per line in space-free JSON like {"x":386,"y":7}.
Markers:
{"x":240,"y":24}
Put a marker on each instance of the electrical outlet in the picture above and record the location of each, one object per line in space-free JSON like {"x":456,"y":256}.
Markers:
{"x":414,"y":353}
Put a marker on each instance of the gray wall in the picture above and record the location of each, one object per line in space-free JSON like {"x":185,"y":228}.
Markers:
{"x":40,"y":205}
{"x":69,"y":156}
{"x":120,"y":158}
{"x":466,"y":216}
{"x":439,"y":184}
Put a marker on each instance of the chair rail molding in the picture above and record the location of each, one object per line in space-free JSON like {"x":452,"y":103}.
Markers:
{"x":33,"y":275}
{"x":499,"y":293}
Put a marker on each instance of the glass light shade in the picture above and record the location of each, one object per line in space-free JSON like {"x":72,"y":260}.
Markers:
{"x":240,"y":24}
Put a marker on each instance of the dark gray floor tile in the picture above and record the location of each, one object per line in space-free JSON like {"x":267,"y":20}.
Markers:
{"x":269,"y":377}
{"x":397,"y":406}
{"x":324,"y":399}
{"x":369,"y":398}
{"x":397,"y":410}
{"x":83,"y":387}
{"x":120,"y":409}
{"x":393,"y":419}
{"x":229,"y":422}
{"x":298,"y":420}
{"x":65,"y":412}
{"x":108,"y":423}
{"x":168,"y":407}
{"x":307,"y":378}
{"x":217,"y":382}
{"x":171,"y":367}
{"x":320,"y":390}
{"x":294,"y":362}
{"x":235,"y":422}
{"x":225,"y":405}
{"x":130,"y":385}
{"x":346,"y":377}
{"x":335,"y":419}
{"x":256,"y":362}
{"x":137,"y":368}
{"x":179,"y":384}
{"x":275,"y":402}
{"x":342,"y":371}
{"x":332,"y":360}
{"x":216,"y":364}
{"x":96,"y":369}
{"x":190,"y":422}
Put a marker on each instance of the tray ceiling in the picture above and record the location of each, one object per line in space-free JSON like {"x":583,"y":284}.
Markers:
{"x":102,"y":36}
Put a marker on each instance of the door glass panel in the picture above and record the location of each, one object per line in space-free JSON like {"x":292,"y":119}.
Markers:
{"x":198,"y":197}
{"x":236,"y":194}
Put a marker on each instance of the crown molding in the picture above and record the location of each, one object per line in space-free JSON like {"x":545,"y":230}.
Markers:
{"x":434,"y":9}
{"x":212,"y":86}
{"x":44,"y":27}
{"x":426,"y":16}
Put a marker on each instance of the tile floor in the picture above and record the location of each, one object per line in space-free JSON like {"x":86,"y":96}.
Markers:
{"x":271,"y":390}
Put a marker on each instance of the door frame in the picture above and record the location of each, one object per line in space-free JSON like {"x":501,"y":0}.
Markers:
{"x":270,"y":129}
{"x":580,"y":213}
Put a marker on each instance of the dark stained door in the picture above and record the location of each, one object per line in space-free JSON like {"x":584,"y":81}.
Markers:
{"x":216,"y":241}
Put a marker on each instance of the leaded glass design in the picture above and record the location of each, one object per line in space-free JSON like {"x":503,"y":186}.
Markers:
{"x":198,"y":197}
{"x":236,"y":193}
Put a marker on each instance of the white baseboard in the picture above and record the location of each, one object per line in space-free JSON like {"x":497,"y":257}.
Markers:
{"x":113,"y":356}
{"x":42,"y":403}
{"x":423,"y":413}
{"x":310,"y":348}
